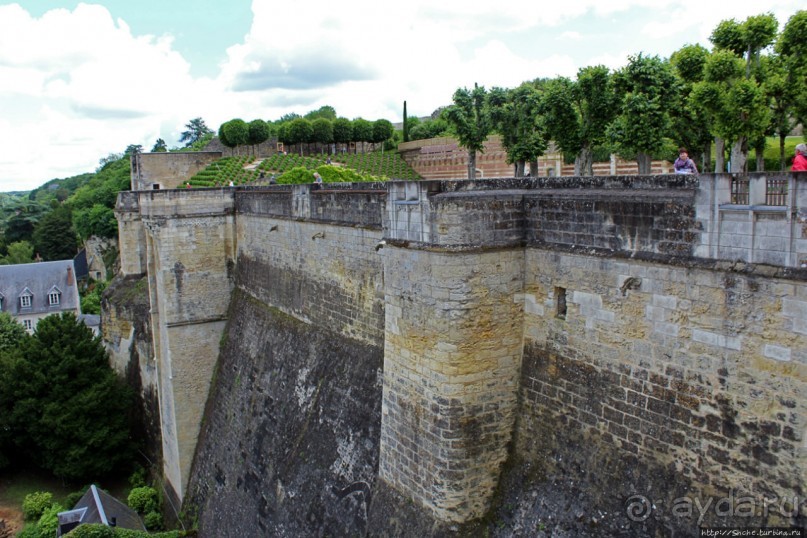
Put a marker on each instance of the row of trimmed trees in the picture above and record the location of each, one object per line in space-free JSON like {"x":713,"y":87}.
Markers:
{"x":304,"y":131}
{"x":752,"y":84}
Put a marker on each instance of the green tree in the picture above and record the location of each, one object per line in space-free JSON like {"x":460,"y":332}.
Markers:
{"x":131,"y":149}
{"x":691,"y":124}
{"x":470,"y":120}
{"x":283,"y":136}
{"x":325,"y":112}
{"x":737,"y":106}
{"x":420,"y":130}
{"x":236,"y":133}
{"x":342,"y":131}
{"x":98,"y":220}
{"x":362,"y":131}
{"x":789,"y":91}
{"x":322,"y":131}
{"x":194,"y":131}
{"x":54,"y":238}
{"x":258,"y":133}
{"x":64,"y":403}
{"x":514,"y":113}
{"x":382,"y":131}
{"x":160,"y":146}
{"x":300,"y":132}
{"x":11,"y":332}
{"x":577,"y":113}
{"x":18,"y":252}
{"x":405,"y":125}
{"x":782,"y":96}
{"x":750,"y":118}
{"x":647,"y":86}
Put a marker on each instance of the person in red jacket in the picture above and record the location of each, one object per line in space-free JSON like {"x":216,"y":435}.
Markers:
{"x":800,"y":161}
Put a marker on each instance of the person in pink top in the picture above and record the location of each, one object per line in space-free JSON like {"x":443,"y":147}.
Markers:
{"x":800,"y":161}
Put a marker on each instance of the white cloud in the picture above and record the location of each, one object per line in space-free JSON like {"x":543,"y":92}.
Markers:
{"x":77,"y":85}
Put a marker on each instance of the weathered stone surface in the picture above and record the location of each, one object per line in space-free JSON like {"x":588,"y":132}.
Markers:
{"x":588,"y":333}
{"x":290,"y":441}
{"x":703,"y":412}
{"x":128,"y":338}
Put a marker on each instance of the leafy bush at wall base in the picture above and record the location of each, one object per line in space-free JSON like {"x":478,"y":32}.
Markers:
{"x":35,"y":504}
{"x":153,"y":521}
{"x":143,"y":500}
{"x":102,"y":531}
{"x":49,"y":521}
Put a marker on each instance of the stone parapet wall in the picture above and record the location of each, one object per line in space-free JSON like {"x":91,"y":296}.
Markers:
{"x":348,"y":204}
{"x":329,"y":276}
{"x":756,"y":218}
{"x":442,"y":158}
{"x":168,"y":170}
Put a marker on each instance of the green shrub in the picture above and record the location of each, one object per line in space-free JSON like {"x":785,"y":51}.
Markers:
{"x":35,"y":504}
{"x":49,"y":521}
{"x":95,"y":530}
{"x":143,"y":500}
{"x":296,"y":176}
{"x":138,"y":478}
{"x":30,"y":531}
{"x":153,"y":521}
{"x":74,"y":497}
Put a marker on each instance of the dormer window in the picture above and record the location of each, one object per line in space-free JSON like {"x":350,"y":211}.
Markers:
{"x":54,"y":296}
{"x":26,"y":298}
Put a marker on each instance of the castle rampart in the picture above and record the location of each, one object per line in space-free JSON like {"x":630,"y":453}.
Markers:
{"x":634,"y":334}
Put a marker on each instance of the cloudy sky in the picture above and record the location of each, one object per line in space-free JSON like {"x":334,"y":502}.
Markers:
{"x":79,"y":81}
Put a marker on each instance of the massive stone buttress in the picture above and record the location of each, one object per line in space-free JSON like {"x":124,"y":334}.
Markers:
{"x":189,"y":255}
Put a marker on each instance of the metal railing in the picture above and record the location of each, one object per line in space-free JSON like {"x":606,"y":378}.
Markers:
{"x":776,"y":191}
{"x":739,"y":190}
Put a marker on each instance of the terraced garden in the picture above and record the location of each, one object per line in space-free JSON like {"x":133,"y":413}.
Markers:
{"x":386,"y":166}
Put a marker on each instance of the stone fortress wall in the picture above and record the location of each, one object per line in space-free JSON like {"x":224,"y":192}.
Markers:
{"x":433,"y":347}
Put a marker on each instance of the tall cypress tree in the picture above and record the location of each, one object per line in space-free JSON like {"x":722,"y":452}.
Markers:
{"x":405,"y":125}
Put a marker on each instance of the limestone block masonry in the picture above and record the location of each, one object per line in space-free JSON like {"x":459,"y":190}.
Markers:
{"x":190,"y":252}
{"x":633,"y":335}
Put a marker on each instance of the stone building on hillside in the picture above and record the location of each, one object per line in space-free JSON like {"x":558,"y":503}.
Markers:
{"x":32,"y":291}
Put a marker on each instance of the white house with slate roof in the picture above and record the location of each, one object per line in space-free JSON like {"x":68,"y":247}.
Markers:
{"x":32,"y":291}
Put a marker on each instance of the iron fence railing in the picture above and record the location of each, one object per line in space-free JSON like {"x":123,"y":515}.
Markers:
{"x":776,"y":191}
{"x":739,"y":190}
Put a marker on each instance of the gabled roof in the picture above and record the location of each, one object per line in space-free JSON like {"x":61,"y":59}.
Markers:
{"x":80,"y":264}
{"x":99,"y":506}
{"x":38,"y":279}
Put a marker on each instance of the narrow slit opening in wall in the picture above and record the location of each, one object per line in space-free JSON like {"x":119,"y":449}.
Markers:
{"x":560,"y":294}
